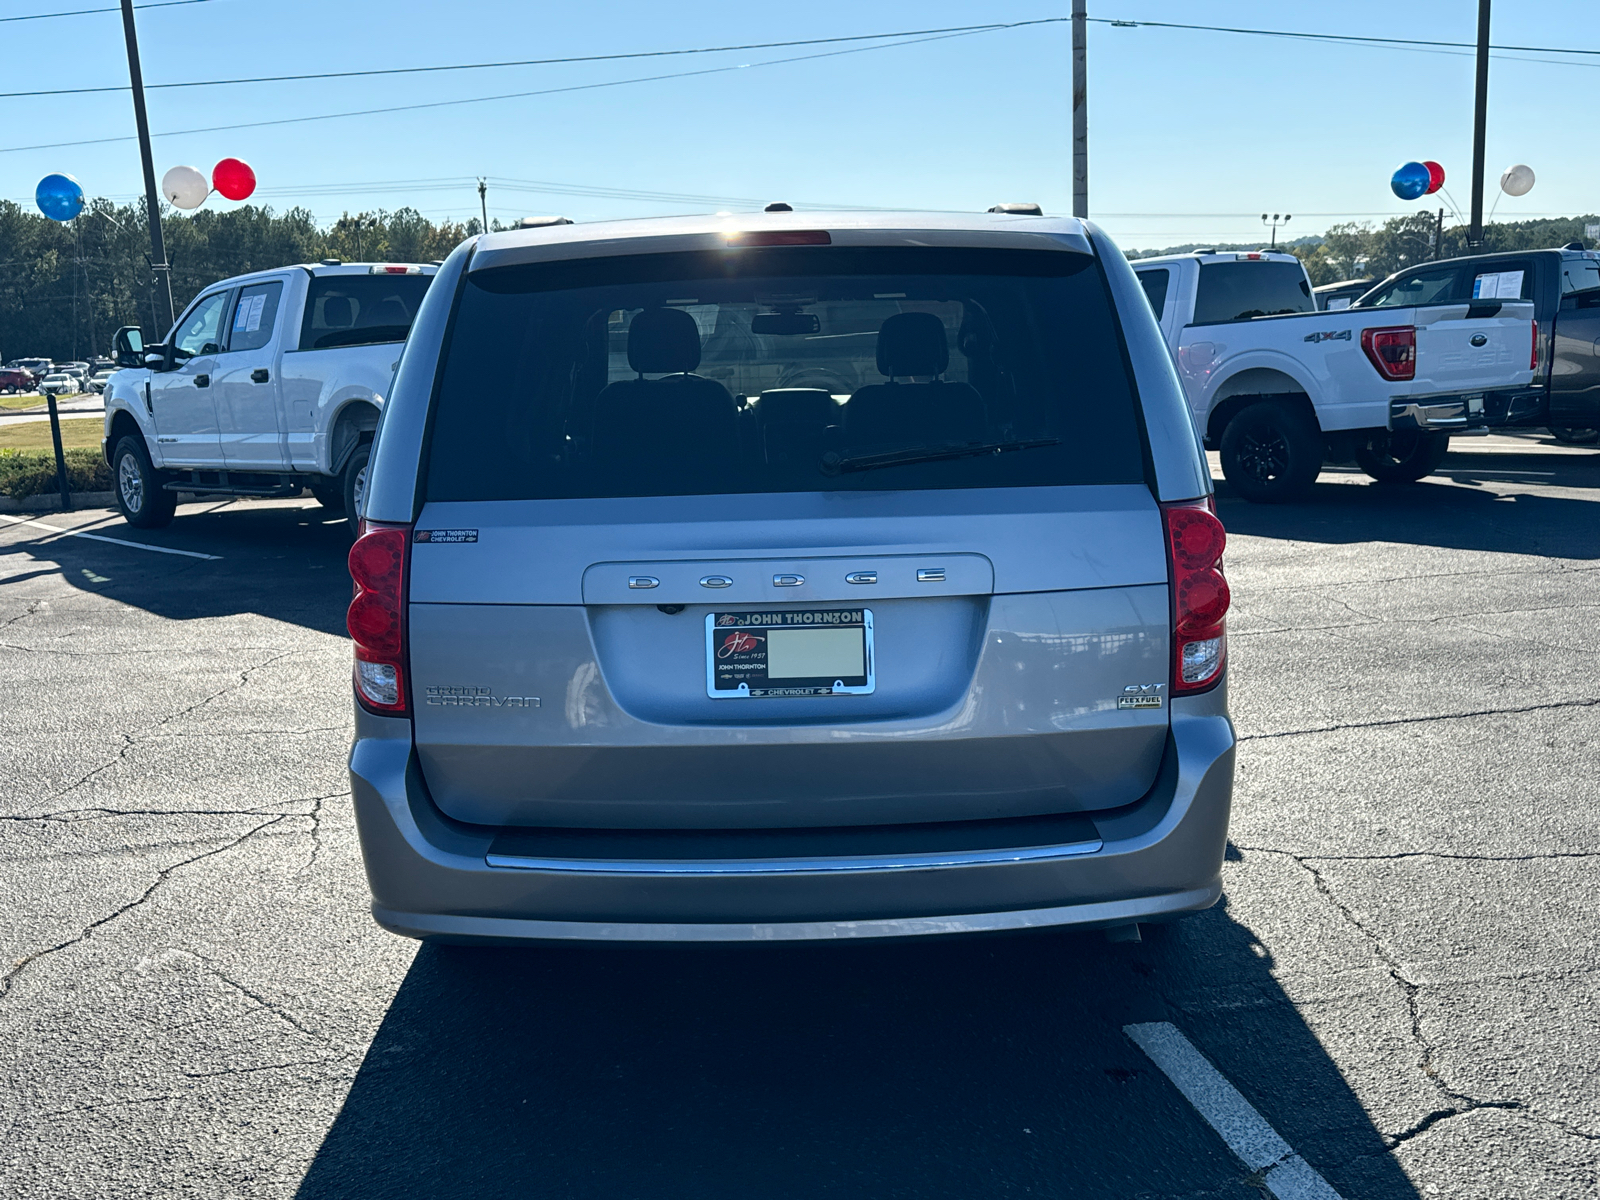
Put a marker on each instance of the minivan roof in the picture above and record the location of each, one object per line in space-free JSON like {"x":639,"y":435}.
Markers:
{"x":659,"y":235}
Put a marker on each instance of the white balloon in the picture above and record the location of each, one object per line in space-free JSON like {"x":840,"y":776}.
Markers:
{"x":1517,"y":180}
{"x":185,"y":187}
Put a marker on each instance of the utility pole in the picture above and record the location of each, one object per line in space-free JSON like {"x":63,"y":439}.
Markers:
{"x":1080,"y":108}
{"x":152,"y":198}
{"x":1479,"y":118}
{"x":1438,"y":236}
{"x":483,"y":199}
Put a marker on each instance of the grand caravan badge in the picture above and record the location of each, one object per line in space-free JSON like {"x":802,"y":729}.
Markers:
{"x":477,"y":697}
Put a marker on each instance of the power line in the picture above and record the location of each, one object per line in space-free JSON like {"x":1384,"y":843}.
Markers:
{"x":579,"y":87}
{"x":1356,"y":38}
{"x":1348,"y":39}
{"x":83,"y":12}
{"x":545,"y":62}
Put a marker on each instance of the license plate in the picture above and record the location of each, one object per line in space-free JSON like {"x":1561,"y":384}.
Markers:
{"x":789,"y":652}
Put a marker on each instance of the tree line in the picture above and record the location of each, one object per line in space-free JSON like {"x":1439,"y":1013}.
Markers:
{"x":65,"y":288}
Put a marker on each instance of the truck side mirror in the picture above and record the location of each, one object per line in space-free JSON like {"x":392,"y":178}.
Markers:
{"x":127,"y":347}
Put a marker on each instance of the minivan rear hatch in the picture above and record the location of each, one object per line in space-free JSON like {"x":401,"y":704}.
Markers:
{"x":803,"y":536}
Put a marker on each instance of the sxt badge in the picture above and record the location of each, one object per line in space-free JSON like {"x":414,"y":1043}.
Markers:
{"x":1141,"y":695}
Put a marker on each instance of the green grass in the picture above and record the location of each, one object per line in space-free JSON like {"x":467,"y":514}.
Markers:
{"x":77,"y":433}
{"x":30,"y":401}
{"x":28,"y":461}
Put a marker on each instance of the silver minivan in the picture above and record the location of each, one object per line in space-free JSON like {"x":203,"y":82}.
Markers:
{"x":809,"y":576}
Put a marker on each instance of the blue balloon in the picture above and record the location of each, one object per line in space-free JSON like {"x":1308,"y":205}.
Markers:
{"x":1410,"y":180}
{"x":59,"y":197}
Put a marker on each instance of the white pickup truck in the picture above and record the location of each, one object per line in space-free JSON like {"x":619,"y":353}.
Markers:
{"x":269,"y":384}
{"x":1280,"y":388}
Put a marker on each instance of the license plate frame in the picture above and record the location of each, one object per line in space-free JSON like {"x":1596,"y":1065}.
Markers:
{"x":745,"y":666}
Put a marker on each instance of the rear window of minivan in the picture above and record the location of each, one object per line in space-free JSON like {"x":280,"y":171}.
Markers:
{"x":780,"y":370}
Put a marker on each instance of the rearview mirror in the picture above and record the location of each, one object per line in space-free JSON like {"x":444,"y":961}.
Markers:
{"x":787,"y":323}
{"x":127,"y":347}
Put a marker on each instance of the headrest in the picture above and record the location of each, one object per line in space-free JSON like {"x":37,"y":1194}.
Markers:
{"x":662,"y":340}
{"x":912,"y":344}
{"x":388,"y":311}
{"x":338,"y":312}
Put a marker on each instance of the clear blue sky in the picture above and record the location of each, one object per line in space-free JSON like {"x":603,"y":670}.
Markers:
{"x":1183,"y":125}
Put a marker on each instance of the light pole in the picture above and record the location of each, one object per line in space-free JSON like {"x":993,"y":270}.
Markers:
{"x":483,"y":199}
{"x":1080,"y":109}
{"x":1480,"y":114}
{"x":1275,"y":221}
{"x":152,"y":198}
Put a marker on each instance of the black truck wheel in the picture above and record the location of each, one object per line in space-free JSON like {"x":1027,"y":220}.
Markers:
{"x":1271,"y":452}
{"x":1403,"y":457}
{"x":141,"y":499}
{"x":330,"y":495}
{"x":1575,"y":435}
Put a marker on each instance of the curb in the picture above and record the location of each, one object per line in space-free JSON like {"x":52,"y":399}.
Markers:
{"x":52,"y":501}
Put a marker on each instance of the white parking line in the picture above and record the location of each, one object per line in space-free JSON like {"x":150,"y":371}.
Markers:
{"x":114,"y":541}
{"x":1257,"y":1144}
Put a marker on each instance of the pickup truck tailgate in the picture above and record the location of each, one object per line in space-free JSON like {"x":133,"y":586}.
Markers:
{"x":1471,"y":347}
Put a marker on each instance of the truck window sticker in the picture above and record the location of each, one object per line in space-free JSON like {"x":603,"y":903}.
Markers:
{"x":248,"y":318}
{"x":1498,"y":285}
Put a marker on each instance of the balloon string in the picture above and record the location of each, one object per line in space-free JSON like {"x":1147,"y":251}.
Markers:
{"x":1455,"y":209}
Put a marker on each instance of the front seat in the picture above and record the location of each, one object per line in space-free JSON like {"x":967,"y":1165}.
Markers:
{"x":671,"y":429}
{"x":899,"y":413}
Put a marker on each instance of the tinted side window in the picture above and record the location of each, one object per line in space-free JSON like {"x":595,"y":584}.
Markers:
{"x":1155,"y":284}
{"x":360,"y":310}
{"x":1425,"y":285}
{"x":1237,"y":291}
{"x":254,"y":316}
{"x":1579,"y":275}
{"x":200,"y":330}
{"x":1502,"y":281}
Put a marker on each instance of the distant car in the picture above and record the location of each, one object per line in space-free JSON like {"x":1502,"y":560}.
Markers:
{"x":15,"y":379}
{"x":78,"y":370}
{"x":60,"y":383}
{"x":36,"y":366}
{"x":98,"y":381}
{"x":1335,"y":297}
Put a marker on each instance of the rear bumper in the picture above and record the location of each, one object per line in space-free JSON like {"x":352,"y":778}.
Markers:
{"x":1469,"y":411}
{"x":432,"y":877}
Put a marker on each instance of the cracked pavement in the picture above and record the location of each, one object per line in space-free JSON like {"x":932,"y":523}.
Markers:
{"x":1402,"y":975}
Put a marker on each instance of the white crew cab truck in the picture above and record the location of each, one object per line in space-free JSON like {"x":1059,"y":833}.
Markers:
{"x":268,"y":385}
{"x":1280,"y":388}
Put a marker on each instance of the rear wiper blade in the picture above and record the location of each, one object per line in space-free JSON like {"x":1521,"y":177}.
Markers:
{"x":834,"y":463}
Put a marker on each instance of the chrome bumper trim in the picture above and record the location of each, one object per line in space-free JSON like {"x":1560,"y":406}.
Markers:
{"x":791,"y":866}
{"x":1443,"y":414}
{"x":449,"y":927}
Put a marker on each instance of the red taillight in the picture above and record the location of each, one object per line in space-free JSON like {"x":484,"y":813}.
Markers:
{"x":376,"y":619}
{"x":1200,"y":596}
{"x":779,"y":237}
{"x":1393,"y":351}
{"x":1533,"y":348}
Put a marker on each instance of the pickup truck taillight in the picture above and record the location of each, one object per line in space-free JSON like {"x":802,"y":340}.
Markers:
{"x":376,"y":619}
{"x":1200,"y":596}
{"x":1533,"y":349}
{"x":1393,"y":350}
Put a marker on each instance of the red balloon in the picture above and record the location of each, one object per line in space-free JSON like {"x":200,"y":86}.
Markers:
{"x":1435,"y":177}
{"x":234,"y":179}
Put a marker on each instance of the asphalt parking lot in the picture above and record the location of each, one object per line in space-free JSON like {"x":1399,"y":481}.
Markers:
{"x":1401,"y":979}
